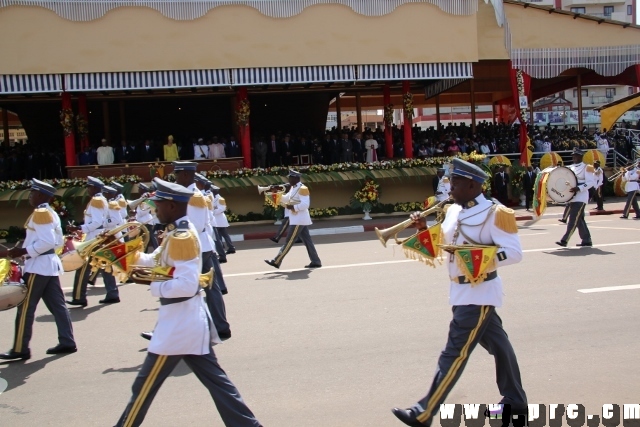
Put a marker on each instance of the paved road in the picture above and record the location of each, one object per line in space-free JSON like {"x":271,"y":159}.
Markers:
{"x":341,"y":345}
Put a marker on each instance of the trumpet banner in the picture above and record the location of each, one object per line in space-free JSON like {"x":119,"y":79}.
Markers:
{"x":474,"y":261}
{"x":273,"y":199}
{"x":111,"y":254}
{"x":540,"y":194}
{"x":423,"y":246}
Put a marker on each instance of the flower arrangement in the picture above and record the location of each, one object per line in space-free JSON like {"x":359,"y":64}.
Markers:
{"x":520,"y":85}
{"x":407,"y":101}
{"x":367,"y":196}
{"x":59,"y":205}
{"x":323,"y":213}
{"x":231,"y":217}
{"x":243,"y":112}
{"x":408,"y":207}
{"x":388,"y":114}
{"x":67,"y":183}
{"x":66,"y":121}
{"x":517,"y":176}
{"x":82,"y":126}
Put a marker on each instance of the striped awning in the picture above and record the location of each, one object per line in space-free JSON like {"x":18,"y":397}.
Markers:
{"x":441,"y":86}
{"x":145,"y":80}
{"x":449,"y":70}
{"x":88,"y":10}
{"x":30,"y":83}
{"x":290,"y":75}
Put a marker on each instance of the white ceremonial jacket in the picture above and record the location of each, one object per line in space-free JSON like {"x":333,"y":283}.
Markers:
{"x":598,"y":176}
{"x":300,"y":214}
{"x":631,"y":179}
{"x":444,"y":187}
{"x":586,"y":180}
{"x":122,"y":202}
{"x":143,"y":213}
{"x":198,"y":214}
{"x":183,"y":327}
{"x":478,"y":225}
{"x":114,"y":218}
{"x":219,"y":207}
{"x":44,"y":233}
{"x":95,"y":216}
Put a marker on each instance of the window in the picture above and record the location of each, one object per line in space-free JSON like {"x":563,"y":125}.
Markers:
{"x":585,"y":93}
{"x":608,"y":10}
{"x":629,"y":10}
{"x":610,"y":92}
{"x":577,"y":9}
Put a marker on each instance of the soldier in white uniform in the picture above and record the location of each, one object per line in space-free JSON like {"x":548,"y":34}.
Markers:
{"x":297,"y":201}
{"x":577,"y":205}
{"x":631,"y":188}
{"x":183,"y":330}
{"x":474,"y":220}
{"x":42,"y":269}
{"x":598,"y":174}
{"x":204,"y":185}
{"x":443,"y":187}
{"x":219,"y":207}
{"x":144,"y":214}
{"x":199,"y":216}
{"x":122,"y":202}
{"x":96,"y":216}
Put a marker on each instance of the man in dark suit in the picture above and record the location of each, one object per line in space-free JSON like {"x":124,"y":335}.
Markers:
{"x":232,"y":148}
{"x":346,"y":149}
{"x":286,"y":148}
{"x":260,"y":151}
{"x":124,"y":153}
{"x":273,"y":151}
{"x":528,"y":180}
{"x":358,"y":148}
{"x":500,"y":182}
{"x":186,"y":150}
{"x":331,"y":149}
{"x":148,"y":152}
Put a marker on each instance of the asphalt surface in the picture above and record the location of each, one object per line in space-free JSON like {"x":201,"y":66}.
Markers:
{"x":341,"y":345}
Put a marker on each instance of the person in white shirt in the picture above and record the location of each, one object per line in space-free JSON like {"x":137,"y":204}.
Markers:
{"x":472,"y":222}
{"x":371,"y":145}
{"x":602,"y":145}
{"x":631,"y":187}
{"x":42,"y":271}
{"x":599,"y":176}
{"x":183,"y":330}
{"x":200,"y":150}
{"x":105,"y":153}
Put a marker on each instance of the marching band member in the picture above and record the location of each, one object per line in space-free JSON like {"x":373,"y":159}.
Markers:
{"x":122,"y":202}
{"x":299,"y":220}
{"x":441,"y":186}
{"x":631,"y":188}
{"x":42,"y":271}
{"x":204,"y":185}
{"x":183,"y":329}
{"x":477,"y":221}
{"x":96,"y":217}
{"x":584,"y":173}
{"x":145,"y":216}
{"x":219,"y":207}
{"x":599,"y":176}
{"x":199,"y":216}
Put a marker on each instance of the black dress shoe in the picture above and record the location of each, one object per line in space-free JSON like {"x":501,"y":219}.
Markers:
{"x":313,"y":265}
{"x":624,"y":217}
{"x":274,"y":240}
{"x":222,"y":260}
{"x":231,"y":251}
{"x":589,"y":244}
{"x":562,"y":221}
{"x":224,"y":291}
{"x":224,"y":335}
{"x":562,"y":243}
{"x":272,"y":263}
{"x":14,"y":355}
{"x":407,"y":416}
{"x":109,"y":301}
{"x":82,"y":303}
{"x":146,"y":335}
{"x":62,"y":349}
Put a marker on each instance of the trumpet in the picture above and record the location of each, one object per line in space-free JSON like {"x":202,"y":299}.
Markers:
{"x":133,"y":204}
{"x":150,"y":274}
{"x":622,"y":171}
{"x":267,"y":189}
{"x":385,"y":234}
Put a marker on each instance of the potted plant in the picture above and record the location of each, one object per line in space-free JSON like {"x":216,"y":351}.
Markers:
{"x":366,"y":197}
{"x":517,"y":183}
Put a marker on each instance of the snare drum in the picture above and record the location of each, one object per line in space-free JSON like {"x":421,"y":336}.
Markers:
{"x":559,"y":180}
{"x":12,"y":295}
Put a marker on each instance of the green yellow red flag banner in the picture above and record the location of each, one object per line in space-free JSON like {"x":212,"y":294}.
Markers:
{"x":540,"y":194}
{"x":120,"y":256}
{"x":423,"y":246}
{"x":474,"y":261}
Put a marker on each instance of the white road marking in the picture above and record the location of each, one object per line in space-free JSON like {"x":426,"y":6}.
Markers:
{"x":616,"y":228}
{"x":532,"y":234}
{"x":609,"y":288}
{"x":3,"y":385}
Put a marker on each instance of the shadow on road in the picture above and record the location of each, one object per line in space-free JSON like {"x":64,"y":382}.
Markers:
{"x":20,"y":371}
{"x":179,"y":371}
{"x":77,"y":314}
{"x":579,"y":252}
{"x":287,"y":275}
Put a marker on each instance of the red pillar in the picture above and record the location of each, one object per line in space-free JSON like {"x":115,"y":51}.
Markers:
{"x":408,"y":124}
{"x":388,"y":135}
{"x":83,"y":111}
{"x":245,"y":133}
{"x":69,"y":139}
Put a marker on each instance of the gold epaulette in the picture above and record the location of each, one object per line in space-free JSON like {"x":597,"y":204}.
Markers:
{"x":506,"y":219}
{"x":445,"y":180}
{"x":590,"y":168}
{"x":223,"y":202}
{"x":122,"y":203}
{"x":304,"y":191}
{"x":183,"y":245}
{"x":114,"y":205}
{"x":97,"y":202}
{"x":198,"y":201}
{"x":42,"y":216}
{"x":209,"y":202}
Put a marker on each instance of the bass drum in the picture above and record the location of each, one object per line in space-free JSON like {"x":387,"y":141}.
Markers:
{"x":12,"y":295}
{"x":71,"y":261}
{"x":559,"y":180}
